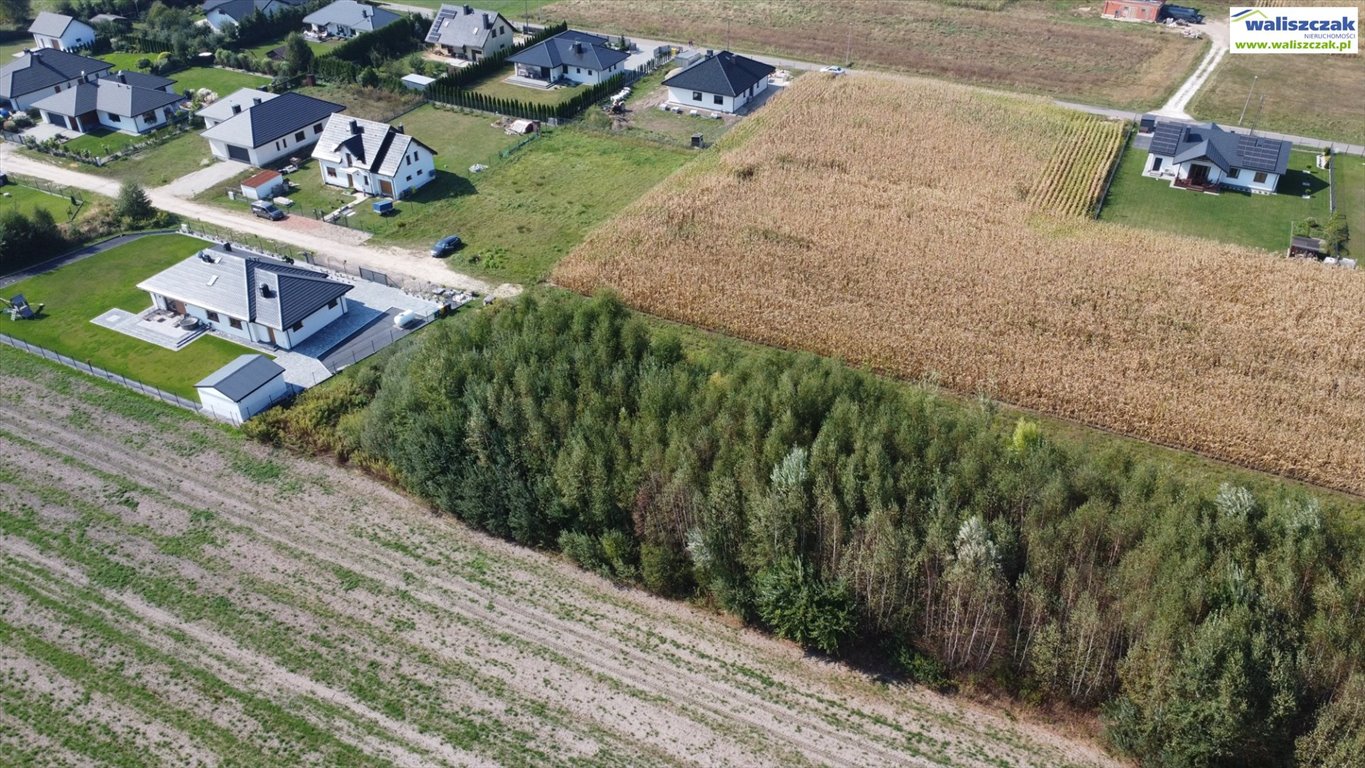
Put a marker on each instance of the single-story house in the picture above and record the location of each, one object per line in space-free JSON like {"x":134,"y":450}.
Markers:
{"x":245,"y":295}
{"x":1132,"y":10}
{"x":127,"y":102}
{"x":375,"y":158}
{"x":417,"y":82}
{"x":57,"y":30}
{"x":242,"y":388}
{"x":232,"y":104}
{"x":260,"y":134}
{"x":1206,"y":157}
{"x":222,"y":14}
{"x":465,"y":32}
{"x":720,"y":82}
{"x":38,"y":74}
{"x":348,"y":18}
{"x":578,"y":57}
{"x":263,"y":186}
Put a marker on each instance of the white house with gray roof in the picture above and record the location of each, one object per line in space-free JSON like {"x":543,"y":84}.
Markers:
{"x":469,"y":33}
{"x":264,"y":132}
{"x":38,"y":74}
{"x":1207,"y":157}
{"x":244,"y":295}
{"x":348,"y":18}
{"x":231,"y":105}
{"x":222,"y":14}
{"x":719,"y":82}
{"x":578,"y":57}
{"x":374,"y":158}
{"x":127,"y":102}
{"x":57,"y":30}
{"x":242,"y":388}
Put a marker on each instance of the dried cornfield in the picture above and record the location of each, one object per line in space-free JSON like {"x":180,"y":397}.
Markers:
{"x":893,"y":223}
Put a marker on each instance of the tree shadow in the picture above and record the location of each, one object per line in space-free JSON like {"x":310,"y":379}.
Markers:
{"x":1298,"y":183}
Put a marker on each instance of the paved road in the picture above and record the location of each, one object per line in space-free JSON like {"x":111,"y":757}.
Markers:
{"x":1217,"y":32}
{"x":299,"y":231}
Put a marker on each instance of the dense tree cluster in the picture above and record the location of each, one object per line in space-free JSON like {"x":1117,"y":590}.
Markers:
{"x":26,"y":237}
{"x":1213,"y":625}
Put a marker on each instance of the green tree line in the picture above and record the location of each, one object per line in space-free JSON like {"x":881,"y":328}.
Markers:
{"x":1211,"y":623}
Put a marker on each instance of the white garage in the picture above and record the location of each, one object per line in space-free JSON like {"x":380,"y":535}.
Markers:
{"x":242,"y":388}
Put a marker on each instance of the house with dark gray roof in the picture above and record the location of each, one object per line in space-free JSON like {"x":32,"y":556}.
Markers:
{"x":57,"y":30}
{"x":469,"y":33}
{"x":719,"y":82}
{"x":222,"y":14}
{"x":40,"y":73}
{"x":243,"y":388}
{"x":1207,"y":157}
{"x":244,"y":295}
{"x":264,"y":132}
{"x":374,"y":158}
{"x":227,"y":106}
{"x":127,"y":102}
{"x":348,"y":18}
{"x":578,"y":57}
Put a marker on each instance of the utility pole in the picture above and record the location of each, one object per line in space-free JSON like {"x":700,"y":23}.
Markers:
{"x":1259,"y":106}
{"x":848,"y":49}
{"x":1248,"y":101}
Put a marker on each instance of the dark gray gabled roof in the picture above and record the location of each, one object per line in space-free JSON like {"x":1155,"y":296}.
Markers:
{"x":462,"y":25}
{"x":349,"y":13}
{"x":140,"y":79}
{"x":240,"y":9}
{"x":269,"y":120}
{"x":109,"y":96}
{"x":572,"y":48}
{"x":724,"y":73}
{"x":44,"y":68}
{"x":1183,"y":142}
{"x":239,"y":378}
{"x":50,"y":24}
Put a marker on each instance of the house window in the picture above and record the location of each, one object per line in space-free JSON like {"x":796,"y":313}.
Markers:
{"x":696,"y":95}
{"x":113,"y":118}
{"x":297,"y":326}
{"x":149,"y":117}
{"x":332,"y":304}
{"x":235,"y":323}
{"x":1156,"y":164}
{"x":1234,"y":173}
{"x":419,"y":171}
{"x":213,"y":317}
{"x":409,"y":178}
{"x":317,"y":129}
{"x":718,"y":99}
{"x":331,"y":172}
{"x":1259,"y":178}
{"x":298,"y":136}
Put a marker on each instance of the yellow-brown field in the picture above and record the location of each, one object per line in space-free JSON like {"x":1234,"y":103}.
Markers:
{"x":896,"y":223}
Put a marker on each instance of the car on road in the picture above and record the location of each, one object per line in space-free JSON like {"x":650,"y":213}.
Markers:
{"x":446,"y":245}
{"x":833,"y":69}
{"x":406,"y":319}
{"x":266,"y":210}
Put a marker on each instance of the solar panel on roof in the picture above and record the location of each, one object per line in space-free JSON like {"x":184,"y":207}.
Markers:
{"x":1166,"y":138}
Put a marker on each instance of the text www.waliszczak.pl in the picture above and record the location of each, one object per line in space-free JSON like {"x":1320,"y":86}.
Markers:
{"x":1293,"y":45}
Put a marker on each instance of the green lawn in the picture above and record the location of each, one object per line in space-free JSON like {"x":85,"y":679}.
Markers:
{"x":159,"y":165}
{"x":126,"y":60}
{"x":220,"y":81}
{"x":495,"y":87}
{"x":1259,"y":221}
{"x":76,"y":293}
{"x":8,"y":50}
{"x":1350,"y":181}
{"x":105,"y":142}
{"x":319,"y":49}
{"x":27,"y":199}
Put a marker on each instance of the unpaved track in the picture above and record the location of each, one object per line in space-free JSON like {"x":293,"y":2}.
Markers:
{"x":343,"y":623}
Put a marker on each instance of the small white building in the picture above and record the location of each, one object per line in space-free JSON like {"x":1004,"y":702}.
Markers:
{"x":248,"y":296}
{"x":372,"y":157}
{"x":263,"y":186}
{"x":1206,"y":157}
{"x":577,"y":57}
{"x":347,"y":19}
{"x":417,"y":82}
{"x":35,"y":75}
{"x":264,"y":132}
{"x":719,"y":82}
{"x":127,"y":102}
{"x":242,"y":388}
{"x":56,"y":30}
{"x":468,"y":33}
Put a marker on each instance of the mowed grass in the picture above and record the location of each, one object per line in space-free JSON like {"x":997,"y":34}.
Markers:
{"x":28,"y":199}
{"x":1258,"y":221}
{"x":220,"y":81}
{"x":1350,"y":183}
{"x":1318,"y":96}
{"x":1058,"y":49}
{"x":155,"y":166}
{"x":105,"y":142}
{"x":496,"y":86}
{"x":77,"y":293}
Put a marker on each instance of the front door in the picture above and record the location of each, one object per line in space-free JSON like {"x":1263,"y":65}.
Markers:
{"x":1199,"y":174}
{"x":271,"y":331}
{"x":386,"y":188}
{"x":177,"y":306}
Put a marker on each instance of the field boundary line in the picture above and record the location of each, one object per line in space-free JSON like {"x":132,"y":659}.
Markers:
{"x":94,"y":370}
{"x":1114,"y":168}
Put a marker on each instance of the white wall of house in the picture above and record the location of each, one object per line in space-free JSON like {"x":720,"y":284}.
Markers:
{"x":274,"y":150}
{"x":1159,"y":165}
{"x":137,"y":123}
{"x":248,"y":331}
{"x":1162,"y":167}
{"x":586,"y":76}
{"x":78,"y":35}
{"x":1247,"y":179}
{"x":418,"y":168}
{"x":220,"y":406}
{"x":289,"y":338}
{"x":25,"y":100}
{"x":714,"y":102}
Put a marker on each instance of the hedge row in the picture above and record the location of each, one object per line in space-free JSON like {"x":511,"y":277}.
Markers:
{"x":461,"y":97}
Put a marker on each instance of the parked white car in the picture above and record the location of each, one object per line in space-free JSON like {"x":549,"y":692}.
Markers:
{"x":406,"y":318}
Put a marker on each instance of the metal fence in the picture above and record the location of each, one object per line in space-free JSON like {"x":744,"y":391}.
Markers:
{"x":124,"y":381}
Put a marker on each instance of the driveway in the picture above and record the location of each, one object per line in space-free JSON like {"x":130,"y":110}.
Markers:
{"x":207,"y":177}
{"x":301,"y":232}
{"x":1216,"y":30}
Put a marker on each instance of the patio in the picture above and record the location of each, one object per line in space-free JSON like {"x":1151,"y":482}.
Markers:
{"x":152,"y":325}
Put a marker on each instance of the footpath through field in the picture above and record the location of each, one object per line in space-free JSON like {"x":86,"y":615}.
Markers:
{"x":299,"y":231}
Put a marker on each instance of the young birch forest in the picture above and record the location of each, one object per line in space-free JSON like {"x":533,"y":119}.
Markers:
{"x":930,"y":230}
{"x":1211,"y":620}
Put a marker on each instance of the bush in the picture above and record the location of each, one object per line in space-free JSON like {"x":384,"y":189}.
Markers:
{"x":144,"y":63}
{"x":796,"y":605}
{"x":133,"y":205}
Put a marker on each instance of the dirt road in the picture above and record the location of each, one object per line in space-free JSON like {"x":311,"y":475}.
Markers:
{"x":172,"y":594}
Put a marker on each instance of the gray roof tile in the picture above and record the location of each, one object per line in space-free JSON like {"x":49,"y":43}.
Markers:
{"x":458,"y":26}
{"x":1226,"y":149}
{"x":50,"y":24}
{"x":571,"y":48}
{"x":373,"y":146}
{"x":239,"y":378}
{"x":44,"y":68}
{"x":106,"y":95}
{"x":725,"y":73}
{"x":349,"y":13}
{"x":269,"y":120}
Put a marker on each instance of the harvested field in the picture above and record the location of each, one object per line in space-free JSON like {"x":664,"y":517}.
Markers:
{"x":172,"y":595}
{"x":912,"y":245}
{"x":1048,"y":48}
